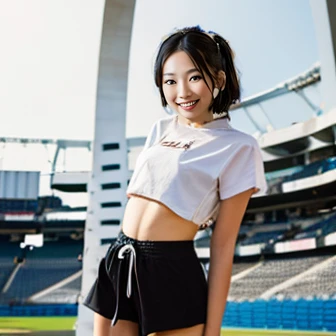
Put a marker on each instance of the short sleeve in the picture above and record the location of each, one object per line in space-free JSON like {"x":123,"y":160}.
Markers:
{"x":151,"y":137}
{"x":245,"y":170}
{"x":157,"y":131}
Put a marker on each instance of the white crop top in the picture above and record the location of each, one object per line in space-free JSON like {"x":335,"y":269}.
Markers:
{"x":190,"y":170}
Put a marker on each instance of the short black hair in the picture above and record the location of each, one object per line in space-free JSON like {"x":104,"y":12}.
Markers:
{"x":210,"y":54}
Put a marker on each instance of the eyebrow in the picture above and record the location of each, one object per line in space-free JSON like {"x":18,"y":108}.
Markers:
{"x":188,"y":72}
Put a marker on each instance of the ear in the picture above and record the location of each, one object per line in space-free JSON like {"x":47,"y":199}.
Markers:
{"x":221,"y":80}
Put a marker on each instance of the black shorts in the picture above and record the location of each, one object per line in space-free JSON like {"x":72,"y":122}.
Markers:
{"x":160,"y":285}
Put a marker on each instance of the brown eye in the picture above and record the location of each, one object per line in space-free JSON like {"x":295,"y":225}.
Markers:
{"x":195,"y":78}
{"x":169,"y":82}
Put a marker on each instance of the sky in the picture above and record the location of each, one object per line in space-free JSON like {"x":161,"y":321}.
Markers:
{"x":49,"y":62}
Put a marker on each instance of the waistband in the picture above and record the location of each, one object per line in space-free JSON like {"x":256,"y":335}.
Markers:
{"x":177,"y":248}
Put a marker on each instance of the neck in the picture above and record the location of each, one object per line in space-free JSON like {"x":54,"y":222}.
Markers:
{"x":199,"y":122}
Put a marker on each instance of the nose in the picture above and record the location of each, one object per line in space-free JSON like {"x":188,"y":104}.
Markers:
{"x":184,"y":90}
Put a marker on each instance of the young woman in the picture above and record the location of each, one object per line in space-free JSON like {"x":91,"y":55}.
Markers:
{"x":195,"y":169}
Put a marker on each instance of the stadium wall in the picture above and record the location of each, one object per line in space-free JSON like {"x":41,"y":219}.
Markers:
{"x":40,"y":310}
{"x":288,"y":314}
{"x":273,"y":314}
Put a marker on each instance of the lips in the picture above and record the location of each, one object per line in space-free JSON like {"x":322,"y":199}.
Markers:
{"x":188,"y":105}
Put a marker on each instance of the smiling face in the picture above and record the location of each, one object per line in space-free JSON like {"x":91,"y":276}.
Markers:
{"x":186,"y":90}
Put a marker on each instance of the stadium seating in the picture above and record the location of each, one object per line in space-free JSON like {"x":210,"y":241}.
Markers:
{"x":277,"y":178}
{"x":6,"y":268}
{"x":66,"y":294}
{"x":314,"y":168}
{"x":8,"y":252}
{"x":323,"y":227}
{"x":268,"y":275}
{"x":39,"y":274}
{"x":263,"y":237}
{"x":329,"y":227}
{"x":44,"y":267}
{"x":285,"y":314}
{"x":320,"y":284}
{"x":241,"y":267}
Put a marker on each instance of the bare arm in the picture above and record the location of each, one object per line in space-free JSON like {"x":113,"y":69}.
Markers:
{"x":221,"y":258}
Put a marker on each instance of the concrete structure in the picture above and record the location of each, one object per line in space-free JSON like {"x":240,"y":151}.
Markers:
{"x":106,"y":205}
{"x":324,"y":14}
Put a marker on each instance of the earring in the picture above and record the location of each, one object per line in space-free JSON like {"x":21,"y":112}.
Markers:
{"x":168,"y":110}
{"x":215,"y":92}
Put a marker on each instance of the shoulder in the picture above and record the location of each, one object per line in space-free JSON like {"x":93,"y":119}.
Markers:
{"x":157,"y":130}
{"x":240,"y":139}
{"x":163,"y":123}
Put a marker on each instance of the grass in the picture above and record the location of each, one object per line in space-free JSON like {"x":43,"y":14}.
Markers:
{"x":37,"y":323}
{"x":67,"y":323}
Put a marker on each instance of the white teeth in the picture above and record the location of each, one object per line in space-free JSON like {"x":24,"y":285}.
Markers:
{"x":189,"y":104}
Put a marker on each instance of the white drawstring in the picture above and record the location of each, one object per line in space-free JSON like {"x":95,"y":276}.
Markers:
{"x":128,"y":249}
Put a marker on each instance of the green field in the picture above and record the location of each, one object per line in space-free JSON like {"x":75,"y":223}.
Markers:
{"x":25,"y":324}
{"x":37,"y":323}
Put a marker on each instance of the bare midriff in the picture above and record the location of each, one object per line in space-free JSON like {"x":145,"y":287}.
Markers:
{"x":147,"y":219}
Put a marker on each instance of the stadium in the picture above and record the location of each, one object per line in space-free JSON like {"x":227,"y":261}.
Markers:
{"x":283,"y":277}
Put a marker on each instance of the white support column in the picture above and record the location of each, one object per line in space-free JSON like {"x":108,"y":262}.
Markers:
{"x":324,"y":14}
{"x":108,"y":183}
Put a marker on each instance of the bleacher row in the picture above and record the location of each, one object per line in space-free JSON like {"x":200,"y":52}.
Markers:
{"x":277,"y":178}
{"x":260,"y":237}
{"x":56,"y":261}
{"x":41,"y":273}
{"x":40,"y":268}
{"x":314,"y":229}
{"x":314,"y":168}
{"x":288,"y":314}
{"x":272,"y":274}
{"x":321,"y":228}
